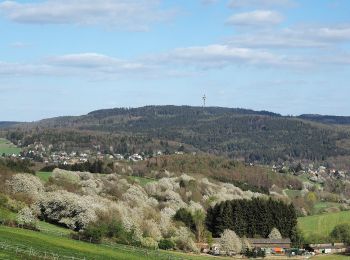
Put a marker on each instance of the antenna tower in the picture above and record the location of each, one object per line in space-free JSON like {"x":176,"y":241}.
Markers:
{"x":204,"y":100}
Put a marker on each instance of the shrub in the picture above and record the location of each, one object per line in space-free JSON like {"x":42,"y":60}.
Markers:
{"x":26,"y":184}
{"x":341,"y":233}
{"x":184,"y":240}
{"x":69,"y":209}
{"x":3,"y":200}
{"x":94,"y":233}
{"x":255,"y":253}
{"x":166,"y":244}
{"x":26,"y":218}
{"x":149,"y":242}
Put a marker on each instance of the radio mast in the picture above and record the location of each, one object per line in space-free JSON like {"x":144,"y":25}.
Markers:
{"x":204,"y":100}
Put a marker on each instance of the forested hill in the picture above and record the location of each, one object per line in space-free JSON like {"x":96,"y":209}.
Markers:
{"x":238,"y":133}
{"x":4,"y":124}
{"x":338,"y":120}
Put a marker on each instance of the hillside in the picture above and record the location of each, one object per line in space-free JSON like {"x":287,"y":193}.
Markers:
{"x":4,"y":124}
{"x":35,"y":245}
{"x":237,"y":133}
{"x":338,"y":120}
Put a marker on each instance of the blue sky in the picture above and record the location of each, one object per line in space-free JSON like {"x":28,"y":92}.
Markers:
{"x":69,"y":57}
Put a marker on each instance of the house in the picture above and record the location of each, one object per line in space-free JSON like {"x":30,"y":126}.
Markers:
{"x":203,"y":247}
{"x":135,"y":157}
{"x":271,"y":246}
{"x":330,"y":248}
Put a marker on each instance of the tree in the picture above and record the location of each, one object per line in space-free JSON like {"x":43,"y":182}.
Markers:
{"x":341,"y":233}
{"x":186,"y":217}
{"x":275,"y":234}
{"x":198,"y":218}
{"x":230,"y":242}
{"x":246,"y":245}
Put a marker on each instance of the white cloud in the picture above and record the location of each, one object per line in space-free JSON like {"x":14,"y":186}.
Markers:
{"x":85,"y":65}
{"x":303,"y":37}
{"x":256,"y":18}
{"x":19,"y":45}
{"x":216,"y":56}
{"x":260,"y":3}
{"x":120,"y":14}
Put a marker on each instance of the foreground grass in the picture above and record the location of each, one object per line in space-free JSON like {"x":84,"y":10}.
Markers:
{"x":331,"y":257}
{"x":64,"y":246}
{"x":322,"y":225}
{"x":6,"y":147}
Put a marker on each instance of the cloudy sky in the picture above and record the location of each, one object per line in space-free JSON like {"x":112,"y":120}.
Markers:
{"x":69,"y":57}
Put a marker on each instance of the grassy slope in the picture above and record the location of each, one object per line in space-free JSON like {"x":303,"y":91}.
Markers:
{"x":61,"y":245}
{"x":8,"y":148}
{"x":322,"y":224}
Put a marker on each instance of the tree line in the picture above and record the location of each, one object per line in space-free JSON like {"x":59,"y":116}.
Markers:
{"x":252,"y":218}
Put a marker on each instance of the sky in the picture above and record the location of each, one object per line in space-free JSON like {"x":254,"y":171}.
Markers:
{"x":70,"y":57}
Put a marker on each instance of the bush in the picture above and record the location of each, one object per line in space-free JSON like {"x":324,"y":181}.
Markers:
{"x":94,"y":233}
{"x":166,"y":244}
{"x":341,"y":233}
{"x":149,"y":242}
{"x":255,"y":253}
{"x":3,"y":200}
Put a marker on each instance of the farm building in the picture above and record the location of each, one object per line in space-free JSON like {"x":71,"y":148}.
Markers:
{"x":277,"y":246}
{"x":330,"y":248}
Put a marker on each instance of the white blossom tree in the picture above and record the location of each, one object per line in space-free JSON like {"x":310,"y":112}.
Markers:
{"x":26,"y":217}
{"x":230,"y":242}
{"x":275,"y":234}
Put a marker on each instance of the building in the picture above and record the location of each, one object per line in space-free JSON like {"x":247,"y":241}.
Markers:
{"x":271,"y":246}
{"x":330,"y":248}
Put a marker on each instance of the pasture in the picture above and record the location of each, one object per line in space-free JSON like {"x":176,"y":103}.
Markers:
{"x":321,"y":225}
{"x":8,"y":148}
{"x":33,"y":245}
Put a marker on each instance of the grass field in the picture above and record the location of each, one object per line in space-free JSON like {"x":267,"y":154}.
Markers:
{"x":44,"y":176}
{"x":331,"y":257}
{"x":6,"y":147}
{"x":322,"y":225}
{"x":41,"y":243}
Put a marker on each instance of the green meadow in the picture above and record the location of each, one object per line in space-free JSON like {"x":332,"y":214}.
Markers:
{"x":6,"y":147}
{"x":321,"y":225}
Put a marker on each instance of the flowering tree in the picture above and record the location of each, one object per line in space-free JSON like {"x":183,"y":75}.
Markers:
{"x":275,"y":234}
{"x":26,"y":217}
{"x":26,"y":184}
{"x":184,"y":240}
{"x":230,"y":242}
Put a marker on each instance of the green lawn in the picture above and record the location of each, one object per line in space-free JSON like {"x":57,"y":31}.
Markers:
{"x":41,"y":243}
{"x":323,"y":224}
{"x":44,"y":176}
{"x":6,"y":147}
{"x":331,"y":257}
